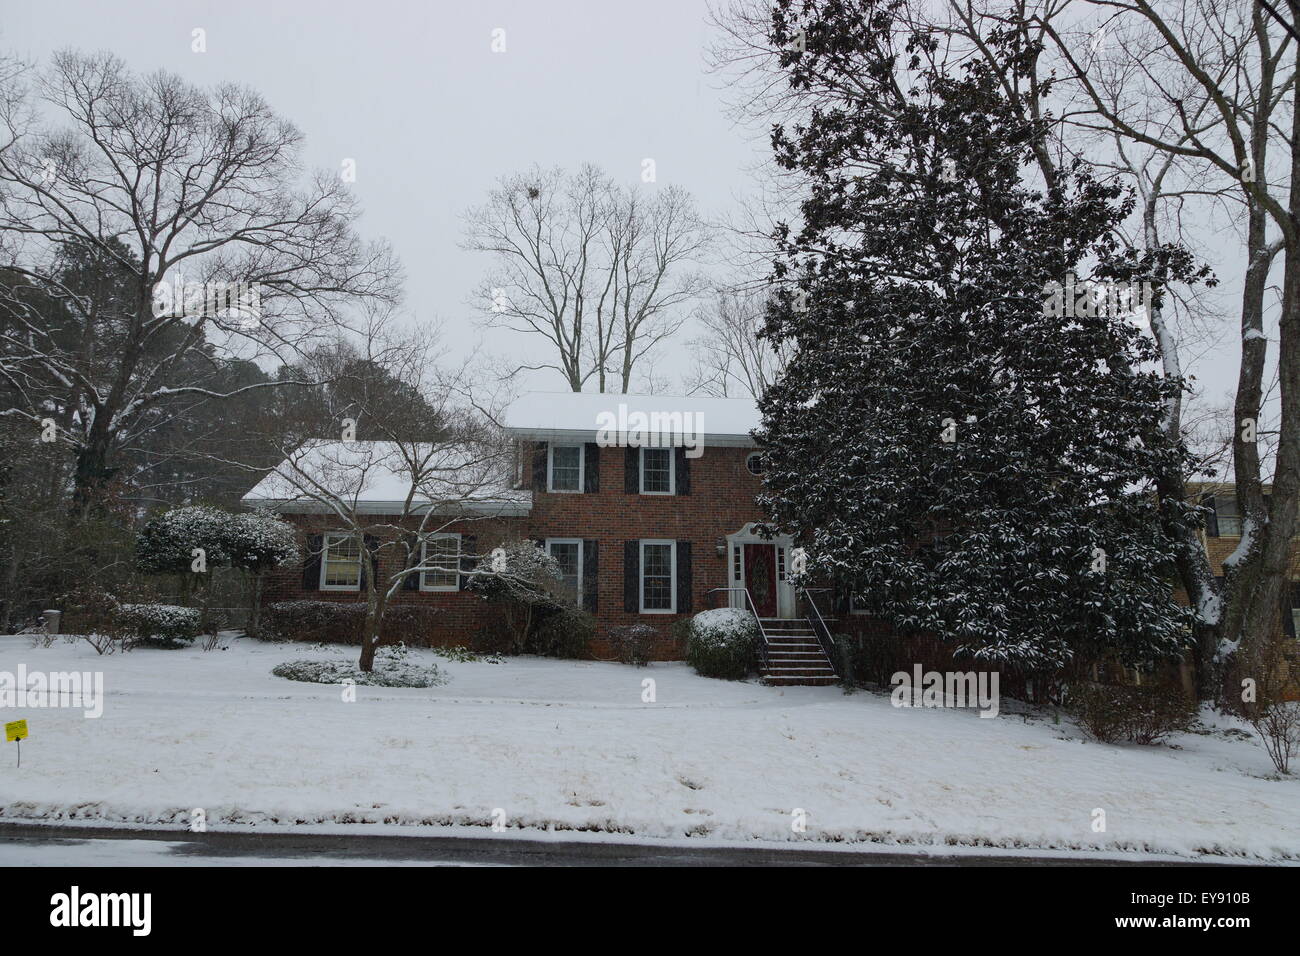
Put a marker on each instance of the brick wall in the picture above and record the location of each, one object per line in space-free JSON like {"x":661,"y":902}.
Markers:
{"x":460,"y":612}
{"x":720,"y":502}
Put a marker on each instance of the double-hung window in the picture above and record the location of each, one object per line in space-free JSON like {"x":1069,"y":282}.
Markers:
{"x":1225,"y":510}
{"x":564,"y":468}
{"x":658,"y":577}
{"x":340,"y":563}
{"x":440,"y":558}
{"x":567,"y":553}
{"x":657,"y":476}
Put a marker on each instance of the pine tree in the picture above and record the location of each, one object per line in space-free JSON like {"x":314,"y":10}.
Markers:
{"x":969,"y":455}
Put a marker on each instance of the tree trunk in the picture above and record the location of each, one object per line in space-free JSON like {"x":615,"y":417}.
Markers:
{"x":255,"y":604}
{"x":1192,"y":562}
{"x":376,"y":601}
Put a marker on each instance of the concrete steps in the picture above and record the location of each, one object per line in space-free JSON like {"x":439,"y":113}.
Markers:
{"x":794,"y":655}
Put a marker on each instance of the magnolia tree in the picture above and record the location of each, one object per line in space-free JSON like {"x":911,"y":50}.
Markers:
{"x":190,"y":542}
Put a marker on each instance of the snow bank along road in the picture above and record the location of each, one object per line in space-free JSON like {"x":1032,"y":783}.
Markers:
{"x":80,"y":846}
{"x":538,"y":745}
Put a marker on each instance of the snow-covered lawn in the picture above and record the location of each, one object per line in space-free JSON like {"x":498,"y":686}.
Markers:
{"x":565,"y":745}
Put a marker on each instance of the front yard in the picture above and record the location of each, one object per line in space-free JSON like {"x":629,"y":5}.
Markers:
{"x":566,"y":745}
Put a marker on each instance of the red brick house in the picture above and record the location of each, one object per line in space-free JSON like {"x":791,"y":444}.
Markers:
{"x":646,"y":502}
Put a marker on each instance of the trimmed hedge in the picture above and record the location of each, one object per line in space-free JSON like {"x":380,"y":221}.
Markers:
{"x":165,"y":623}
{"x":633,"y":643}
{"x":723,"y":643}
{"x":339,"y":622}
{"x":567,"y":632}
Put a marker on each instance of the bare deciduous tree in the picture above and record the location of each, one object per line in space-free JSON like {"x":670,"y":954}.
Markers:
{"x":454,"y":466}
{"x":1211,"y":85}
{"x":596,"y":271}
{"x":731,"y":357}
{"x":163,"y":185}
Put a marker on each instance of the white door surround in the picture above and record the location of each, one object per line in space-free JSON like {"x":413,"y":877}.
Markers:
{"x":785,"y":599}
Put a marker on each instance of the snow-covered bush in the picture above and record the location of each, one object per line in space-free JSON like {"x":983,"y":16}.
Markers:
{"x":723,"y":642}
{"x":520,"y":571}
{"x":343,"y":622}
{"x":392,"y":669}
{"x":167,"y":624}
{"x":166,"y":543}
{"x":257,"y":540}
{"x":253,"y":541}
{"x":524,"y":583}
{"x":1143,"y":715}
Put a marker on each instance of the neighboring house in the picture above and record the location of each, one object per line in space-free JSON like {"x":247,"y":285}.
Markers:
{"x":1222,"y":535}
{"x":644,"y":533}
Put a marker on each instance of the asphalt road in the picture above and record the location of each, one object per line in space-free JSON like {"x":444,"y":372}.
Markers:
{"x":36,"y":845}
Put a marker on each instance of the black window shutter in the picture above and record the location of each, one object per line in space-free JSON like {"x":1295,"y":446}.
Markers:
{"x":413,"y":557}
{"x":591,"y":468}
{"x":1290,"y":599}
{"x":632,"y":576}
{"x":539,"y":466}
{"x":372,"y":547}
{"x":1211,"y":519}
{"x":311,"y":565}
{"x":468,"y":561}
{"x":632,"y":470}
{"x":590,"y":577}
{"x":682,"y":471}
{"x":683,"y":577}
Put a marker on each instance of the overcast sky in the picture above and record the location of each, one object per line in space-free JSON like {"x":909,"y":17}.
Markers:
{"x":413,"y":92}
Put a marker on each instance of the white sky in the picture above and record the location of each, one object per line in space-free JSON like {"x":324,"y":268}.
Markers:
{"x":413,"y":92}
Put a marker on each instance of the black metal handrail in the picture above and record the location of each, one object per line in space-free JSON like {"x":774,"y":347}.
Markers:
{"x":820,"y":629}
{"x":762,"y":633}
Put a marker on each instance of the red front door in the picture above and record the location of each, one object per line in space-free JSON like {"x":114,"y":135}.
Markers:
{"x":760,"y":577}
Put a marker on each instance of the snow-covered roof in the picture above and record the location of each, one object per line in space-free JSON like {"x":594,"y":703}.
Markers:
{"x":377,"y":476}
{"x":581,"y":416}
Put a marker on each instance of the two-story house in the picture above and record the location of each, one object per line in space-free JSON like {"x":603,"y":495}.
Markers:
{"x":647,"y":503}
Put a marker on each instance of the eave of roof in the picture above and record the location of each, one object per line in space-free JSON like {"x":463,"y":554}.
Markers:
{"x":500,"y":509}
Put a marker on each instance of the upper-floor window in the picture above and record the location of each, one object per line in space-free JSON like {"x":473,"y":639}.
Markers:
{"x":754,"y":462}
{"x":1226,"y":519}
{"x":565,"y":465}
{"x":340,"y":563}
{"x":440,"y":558}
{"x":657,"y":477}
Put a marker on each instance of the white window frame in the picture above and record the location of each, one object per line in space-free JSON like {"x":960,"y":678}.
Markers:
{"x":324,"y":560}
{"x":581,"y":556}
{"x":424,"y":557}
{"x":672,"y":587}
{"x":672,"y":471}
{"x":750,"y":457}
{"x":550,"y":469}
